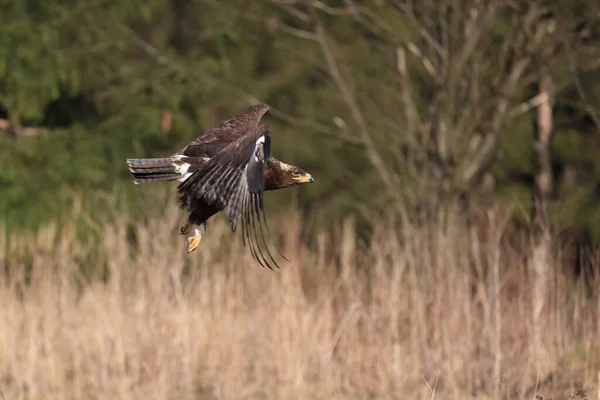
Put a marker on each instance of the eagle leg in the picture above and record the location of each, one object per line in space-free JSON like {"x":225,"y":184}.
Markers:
{"x":194,"y":241}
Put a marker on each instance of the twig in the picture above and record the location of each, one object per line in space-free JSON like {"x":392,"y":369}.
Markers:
{"x":432,"y":389}
{"x":352,"y":104}
{"x":17,"y":130}
{"x":289,"y":7}
{"x":299,"y":33}
{"x":348,"y":10}
{"x":528,"y":105}
{"x":580,"y":91}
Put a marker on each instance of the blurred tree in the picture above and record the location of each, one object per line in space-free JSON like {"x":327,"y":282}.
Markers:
{"x":427,"y":89}
{"x":399,"y":108}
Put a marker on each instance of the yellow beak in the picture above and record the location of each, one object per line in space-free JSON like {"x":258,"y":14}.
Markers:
{"x":306,"y":178}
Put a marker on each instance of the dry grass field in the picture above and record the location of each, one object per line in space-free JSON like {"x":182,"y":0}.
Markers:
{"x":421,"y":314}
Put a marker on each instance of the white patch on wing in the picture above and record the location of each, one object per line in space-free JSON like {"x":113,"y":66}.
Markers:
{"x":185,"y":176}
{"x":260,"y":141}
{"x":181,"y":168}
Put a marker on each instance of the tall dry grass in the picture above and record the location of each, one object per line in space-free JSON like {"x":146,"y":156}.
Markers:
{"x":445,"y":313}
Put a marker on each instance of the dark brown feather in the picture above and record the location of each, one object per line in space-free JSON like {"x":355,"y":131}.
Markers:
{"x":234,"y":176}
{"x":212,"y":141}
{"x":227,"y":166}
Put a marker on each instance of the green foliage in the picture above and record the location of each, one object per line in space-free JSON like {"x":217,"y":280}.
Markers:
{"x":93,"y":79}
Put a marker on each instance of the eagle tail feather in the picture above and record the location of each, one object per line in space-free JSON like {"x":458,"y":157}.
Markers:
{"x":140,"y":178}
{"x":146,"y":170}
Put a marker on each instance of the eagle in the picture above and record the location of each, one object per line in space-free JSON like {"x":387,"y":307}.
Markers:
{"x":229,"y":164}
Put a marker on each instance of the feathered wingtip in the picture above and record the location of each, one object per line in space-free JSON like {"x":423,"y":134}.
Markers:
{"x":249,"y":117}
{"x":255,"y":112}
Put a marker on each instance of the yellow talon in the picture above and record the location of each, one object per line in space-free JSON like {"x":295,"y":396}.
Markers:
{"x":194,"y":241}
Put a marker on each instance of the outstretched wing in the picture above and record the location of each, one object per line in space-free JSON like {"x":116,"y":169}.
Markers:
{"x":212,"y":141}
{"x":235,"y":176}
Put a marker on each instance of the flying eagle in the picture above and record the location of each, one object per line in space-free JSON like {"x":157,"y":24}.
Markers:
{"x":229,"y":164}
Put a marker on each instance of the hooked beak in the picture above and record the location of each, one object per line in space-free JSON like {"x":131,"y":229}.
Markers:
{"x":306,"y":178}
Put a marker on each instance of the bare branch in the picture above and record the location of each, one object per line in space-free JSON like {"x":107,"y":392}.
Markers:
{"x":528,"y":105}
{"x":479,"y":26}
{"x":350,"y":100}
{"x":299,"y":33}
{"x":288,"y":6}
{"x":404,"y":83}
{"x":334,"y":134}
{"x":408,"y":12}
{"x":349,"y":10}
{"x":580,"y":91}
{"x":424,"y":60}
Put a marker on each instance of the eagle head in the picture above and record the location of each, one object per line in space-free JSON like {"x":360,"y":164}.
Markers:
{"x":279,"y":175}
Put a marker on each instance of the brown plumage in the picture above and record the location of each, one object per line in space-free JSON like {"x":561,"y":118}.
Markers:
{"x":230,"y":164}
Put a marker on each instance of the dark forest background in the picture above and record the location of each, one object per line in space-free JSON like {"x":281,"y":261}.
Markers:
{"x":409,"y":109}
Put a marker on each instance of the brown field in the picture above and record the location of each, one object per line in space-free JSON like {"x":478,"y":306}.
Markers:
{"x":453,"y":315}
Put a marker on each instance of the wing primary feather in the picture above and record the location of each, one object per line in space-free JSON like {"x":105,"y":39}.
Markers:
{"x":234,"y":205}
{"x":213,"y":187}
{"x":257,"y":200}
{"x":252,"y":229}
{"x":249,"y":223}
{"x":267,"y":149}
{"x":243,"y":233}
{"x":256,"y":209}
{"x":244,"y":226}
{"x":230,"y":182}
{"x":208,"y":183}
{"x":264,"y":218}
{"x":251,"y":207}
{"x":255,"y":178}
{"x":257,"y":249}
{"x":235,"y":176}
